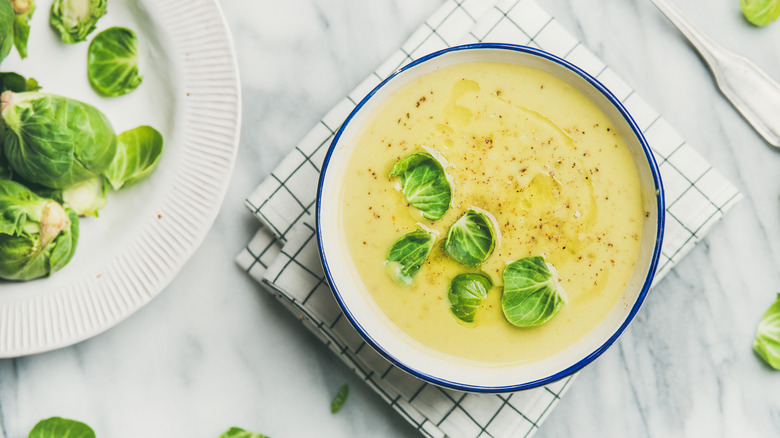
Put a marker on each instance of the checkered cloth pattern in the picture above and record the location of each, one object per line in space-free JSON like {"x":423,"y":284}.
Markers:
{"x":283,"y":254}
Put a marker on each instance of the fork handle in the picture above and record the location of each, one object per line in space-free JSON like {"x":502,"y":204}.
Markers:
{"x":750,"y":89}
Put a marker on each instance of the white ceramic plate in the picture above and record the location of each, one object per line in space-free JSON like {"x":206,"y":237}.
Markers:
{"x":191,"y":94}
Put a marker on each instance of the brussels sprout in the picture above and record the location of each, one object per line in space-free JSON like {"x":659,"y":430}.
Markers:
{"x":5,"y":169}
{"x":17,"y":83}
{"x":37,"y":235}
{"x":55,"y":141}
{"x":137,"y":153}
{"x":112,"y":62}
{"x":23,"y":10}
{"x":6,"y":28}
{"x":86,"y":197}
{"x":75,"y":19}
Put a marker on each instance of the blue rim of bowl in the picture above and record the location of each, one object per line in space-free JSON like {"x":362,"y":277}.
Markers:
{"x":651,"y":271}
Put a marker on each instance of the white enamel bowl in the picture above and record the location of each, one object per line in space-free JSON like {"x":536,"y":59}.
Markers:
{"x":410,"y":355}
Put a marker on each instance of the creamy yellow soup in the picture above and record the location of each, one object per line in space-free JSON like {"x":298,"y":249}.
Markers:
{"x":538,"y":155}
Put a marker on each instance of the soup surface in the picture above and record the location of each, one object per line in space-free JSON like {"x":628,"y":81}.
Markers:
{"x":538,"y":155}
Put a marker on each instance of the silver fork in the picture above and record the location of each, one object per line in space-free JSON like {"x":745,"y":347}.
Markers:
{"x":752,"y":92}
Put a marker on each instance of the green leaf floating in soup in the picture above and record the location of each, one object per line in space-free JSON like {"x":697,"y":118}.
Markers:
{"x":532,"y":294}
{"x":467,"y":291}
{"x":767,"y":342}
{"x":472,"y":238}
{"x":424,"y":184}
{"x":407,"y":255}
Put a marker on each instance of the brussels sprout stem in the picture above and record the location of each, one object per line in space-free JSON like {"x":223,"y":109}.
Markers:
{"x":6,"y":100}
{"x":54,"y":220}
{"x":21,"y":6}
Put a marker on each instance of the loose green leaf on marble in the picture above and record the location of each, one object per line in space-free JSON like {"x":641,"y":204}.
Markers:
{"x":424,"y":184}
{"x":760,"y":12}
{"x":237,"y":432}
{"x":467,"y":291}
{"x":340,"y":399}
{"x":767,"y":341}
{"x":472,"y":238}
{"x":407,"y":255}
{"x":57,"y":427}
{"x":532,"y":294}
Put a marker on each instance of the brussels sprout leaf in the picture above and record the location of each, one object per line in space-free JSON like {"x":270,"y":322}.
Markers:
{"x":340,"y":399}
{"x":472,"y":238}
{"x":75,"y":19}
{"x":407,"y":255}
{"x":112,"y":62}
{"x":23,"y":10}
{"x":532,"y":294}
{"x":767,"y":342}
{"x":56,"y":427}
{"x":5,"y":169}
{"x":17,"y":83}
{"x":424,"y":184}
{"x":6,"y":28}
{"x":18,"y":205}
{"x":236,"y":432}
{"x":467,"y":291}
{"x":86,"y":197}
{"x":137,"y":155}
{"x":760,"y":12}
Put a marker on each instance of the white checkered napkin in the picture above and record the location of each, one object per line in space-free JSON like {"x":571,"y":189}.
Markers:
{"x":295,"y":276}
{"x":283,"y":254}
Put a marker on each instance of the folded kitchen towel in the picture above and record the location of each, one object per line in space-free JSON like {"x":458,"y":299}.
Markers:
{"x":283,"y":254}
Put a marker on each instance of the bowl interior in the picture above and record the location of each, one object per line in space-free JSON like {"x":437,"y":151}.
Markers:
{"x":408,"y":353}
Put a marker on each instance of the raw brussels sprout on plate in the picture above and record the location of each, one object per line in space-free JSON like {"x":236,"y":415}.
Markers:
{"x":75,"y":19}
{"x":55,"y":141}
{"x":37,"y":235}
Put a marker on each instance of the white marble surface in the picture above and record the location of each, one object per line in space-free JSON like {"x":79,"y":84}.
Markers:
{"x":214,"y":350}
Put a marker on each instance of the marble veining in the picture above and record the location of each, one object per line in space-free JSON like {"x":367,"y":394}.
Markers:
{"x":214,"y":350}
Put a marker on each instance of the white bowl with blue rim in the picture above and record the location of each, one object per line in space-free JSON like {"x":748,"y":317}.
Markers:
{"x":421,"y":361}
